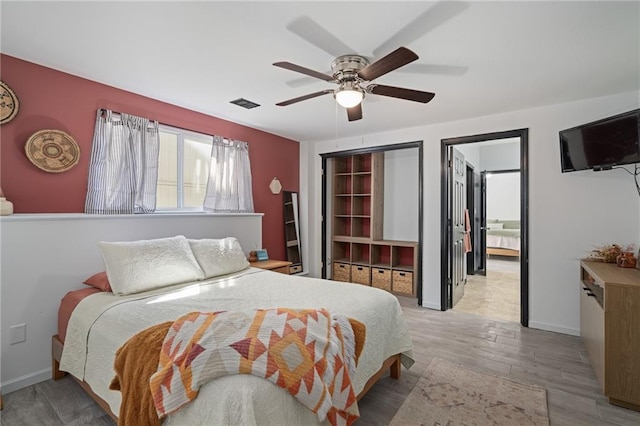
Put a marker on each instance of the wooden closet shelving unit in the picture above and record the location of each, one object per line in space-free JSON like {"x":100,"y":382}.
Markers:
{"x":359,"y":252}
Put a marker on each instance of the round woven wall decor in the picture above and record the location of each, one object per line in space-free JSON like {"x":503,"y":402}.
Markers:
{"x":53,"y":151}
{"x":9,"y":104}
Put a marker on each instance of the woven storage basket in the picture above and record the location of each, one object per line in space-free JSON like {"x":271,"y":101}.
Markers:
{"x":381,"y":278}
{"x":341,"y":272}
{"x":403,"y":282}
{"x":361,"y":274}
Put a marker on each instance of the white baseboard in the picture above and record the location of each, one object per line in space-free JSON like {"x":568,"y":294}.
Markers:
{"x":554,"y":328}
{"x":25,"y":381}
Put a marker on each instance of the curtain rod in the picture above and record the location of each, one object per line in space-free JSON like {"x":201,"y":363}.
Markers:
{"x":104,"y":110}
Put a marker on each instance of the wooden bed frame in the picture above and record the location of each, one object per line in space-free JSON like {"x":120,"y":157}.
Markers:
{"x":502,"y":251}
{"x":392,"y":364}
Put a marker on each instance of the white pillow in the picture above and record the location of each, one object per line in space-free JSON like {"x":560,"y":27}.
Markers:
{"x":491,"y":226}
{"x":219,"y":257}
{"x":135,"y":266}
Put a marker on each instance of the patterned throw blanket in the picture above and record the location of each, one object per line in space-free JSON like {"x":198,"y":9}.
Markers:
{"x":309,"y":353}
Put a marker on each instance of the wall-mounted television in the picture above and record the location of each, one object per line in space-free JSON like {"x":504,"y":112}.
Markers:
{"x":602,"y":144}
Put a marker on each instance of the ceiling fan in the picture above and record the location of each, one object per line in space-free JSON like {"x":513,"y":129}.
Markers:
{"x":353,"y":74}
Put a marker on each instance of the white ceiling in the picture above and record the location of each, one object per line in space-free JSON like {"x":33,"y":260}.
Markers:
{"x":201,"y":55}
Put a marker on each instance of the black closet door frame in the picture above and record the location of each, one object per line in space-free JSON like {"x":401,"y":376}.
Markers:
{"x":326,"y":215}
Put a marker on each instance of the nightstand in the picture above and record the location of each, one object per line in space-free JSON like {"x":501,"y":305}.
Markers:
{"x":281,"y":266}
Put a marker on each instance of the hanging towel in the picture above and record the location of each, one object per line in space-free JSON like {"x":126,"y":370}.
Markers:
{"x":467,"y":232}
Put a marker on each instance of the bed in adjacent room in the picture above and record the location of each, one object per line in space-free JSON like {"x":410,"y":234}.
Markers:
{"x":503,"y":237}
{"x":95,"y":324}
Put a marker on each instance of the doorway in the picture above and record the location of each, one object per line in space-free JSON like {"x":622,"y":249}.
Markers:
{"x":494,"y":290}
{"x":465,"y":220}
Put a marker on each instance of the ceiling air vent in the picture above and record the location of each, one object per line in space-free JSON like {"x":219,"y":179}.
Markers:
{"x":245,"y":103}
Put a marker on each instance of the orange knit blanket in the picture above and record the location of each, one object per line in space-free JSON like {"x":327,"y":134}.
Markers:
{"x":135,"y":363}
{"x":156,"y":370}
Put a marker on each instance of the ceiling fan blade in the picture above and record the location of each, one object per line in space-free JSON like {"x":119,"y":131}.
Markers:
{"x":422,"y":24}
{"x":435,"y":69}
{"x":297,"y":68}
{"x":400,"y":93}
{"x":304,"y":98}
{"x":307,"y":29}
{"x":399,"y":57}
{"x":355,"y":113}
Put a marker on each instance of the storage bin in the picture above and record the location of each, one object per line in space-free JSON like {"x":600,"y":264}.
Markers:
{"x":381,"y":278}
{"x":295,"y":269}
{"x":403,"y":282}
{"x":361,"y":274}
{"x":341,"y":272}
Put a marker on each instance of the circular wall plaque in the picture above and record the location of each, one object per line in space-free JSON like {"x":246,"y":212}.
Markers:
{"x":9,"y":104}
{"x":52,"y":151}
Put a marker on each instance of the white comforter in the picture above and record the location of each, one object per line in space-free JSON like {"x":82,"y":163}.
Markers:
{"x":103,"y":322}
{"x":503,"y":241}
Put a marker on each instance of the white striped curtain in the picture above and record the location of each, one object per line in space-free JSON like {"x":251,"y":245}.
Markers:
{"x":123,"y":171}
{"x":229,"y":184}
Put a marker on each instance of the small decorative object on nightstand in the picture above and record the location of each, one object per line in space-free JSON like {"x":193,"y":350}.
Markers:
{"x":6,"y":206}
{"x":262,"y":255}
{"x":281,"y":266}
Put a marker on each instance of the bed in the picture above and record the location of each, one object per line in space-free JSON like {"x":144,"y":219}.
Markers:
{"x":101,"y":322}
{"x":503,"y":237}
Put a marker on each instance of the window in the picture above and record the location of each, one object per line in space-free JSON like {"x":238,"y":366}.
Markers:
{"x":183,"y":169}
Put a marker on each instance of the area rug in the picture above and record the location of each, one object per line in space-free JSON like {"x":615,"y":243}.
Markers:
{"x":452,"y":394}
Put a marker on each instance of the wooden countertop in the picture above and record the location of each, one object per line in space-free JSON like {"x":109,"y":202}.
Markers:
{"x":610,"y":273}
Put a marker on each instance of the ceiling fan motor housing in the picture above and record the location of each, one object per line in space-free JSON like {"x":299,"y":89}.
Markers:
{"x":346,"y":67}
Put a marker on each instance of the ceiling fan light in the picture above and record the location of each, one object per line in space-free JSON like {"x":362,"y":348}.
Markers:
{"x":349,"y":98}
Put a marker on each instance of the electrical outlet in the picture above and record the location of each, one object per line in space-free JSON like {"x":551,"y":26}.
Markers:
{"x":17,"y":333}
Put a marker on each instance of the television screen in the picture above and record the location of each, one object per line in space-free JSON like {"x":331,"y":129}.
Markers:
{"x":601,"y":144}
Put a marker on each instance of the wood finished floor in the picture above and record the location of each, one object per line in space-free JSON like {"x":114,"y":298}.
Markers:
{"x":556,"y":361}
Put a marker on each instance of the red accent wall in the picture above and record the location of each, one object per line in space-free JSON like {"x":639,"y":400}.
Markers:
{"x":51,"y":99}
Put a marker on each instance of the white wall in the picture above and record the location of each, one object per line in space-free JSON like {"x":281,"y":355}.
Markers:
{"x":502,"y":156}
{"x":569,"y":213}
{"x":401,"y":195}
{"x":503,"y":196}
{"x":44,"y":256}
{"x":471,"y":152}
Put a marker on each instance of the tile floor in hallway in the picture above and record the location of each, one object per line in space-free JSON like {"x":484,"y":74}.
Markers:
{"x":496,"y":295}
